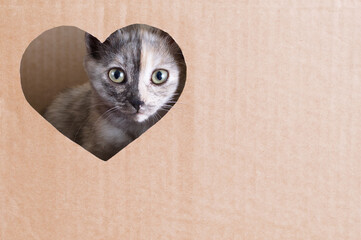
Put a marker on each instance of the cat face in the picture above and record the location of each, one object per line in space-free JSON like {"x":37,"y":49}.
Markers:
{"x":137,"y":71}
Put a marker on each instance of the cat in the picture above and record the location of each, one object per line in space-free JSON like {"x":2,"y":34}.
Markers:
{"x":135,"y":77}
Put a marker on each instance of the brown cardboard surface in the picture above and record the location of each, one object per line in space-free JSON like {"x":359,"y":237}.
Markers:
{"x":52,"y":63}
{"x":264,"y":142}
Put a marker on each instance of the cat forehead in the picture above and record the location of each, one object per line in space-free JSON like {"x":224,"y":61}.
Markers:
{"x":130,"y":42}
{"x":141,"y":33}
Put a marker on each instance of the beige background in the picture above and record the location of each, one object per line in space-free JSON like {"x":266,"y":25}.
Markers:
{"x":264,"y":142}
{"x":52,"y":63}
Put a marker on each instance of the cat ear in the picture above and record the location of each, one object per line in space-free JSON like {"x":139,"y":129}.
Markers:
{"x":113,"y":38}
{"x":93,"y":46}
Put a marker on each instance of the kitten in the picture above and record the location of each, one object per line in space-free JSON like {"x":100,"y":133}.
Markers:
{"x":135,"y":76}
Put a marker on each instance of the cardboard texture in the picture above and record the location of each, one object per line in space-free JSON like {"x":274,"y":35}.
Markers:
{"x":264,"y":142}
{"x":52,"y":63}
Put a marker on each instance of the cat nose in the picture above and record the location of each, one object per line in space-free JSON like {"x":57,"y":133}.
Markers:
{"x":136,"y":103}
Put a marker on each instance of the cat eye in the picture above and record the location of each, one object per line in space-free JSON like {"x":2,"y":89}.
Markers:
{"x":116,"y":75}
{"x":159,"y":76}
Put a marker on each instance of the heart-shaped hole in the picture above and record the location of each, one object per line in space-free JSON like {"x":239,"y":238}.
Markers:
{"x":103,"y":95}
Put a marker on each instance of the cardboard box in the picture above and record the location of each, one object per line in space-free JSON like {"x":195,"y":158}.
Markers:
{"x":264,"y":142}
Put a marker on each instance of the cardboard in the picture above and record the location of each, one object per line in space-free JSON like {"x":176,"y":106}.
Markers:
{"x":264,"y":142}
{"x":52,"y":63}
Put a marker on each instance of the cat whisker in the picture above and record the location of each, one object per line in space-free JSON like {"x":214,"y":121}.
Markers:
{"x":155,"y":118}
{"x":80,"y":127}
{"x":152,"y":119}
{"x":164,"y":109}
{"x":168,"y":105}
{"x":177,"y":103}
{"x":109,"y":111}
{"x":167,"y":108}
{"x":158,"y":117}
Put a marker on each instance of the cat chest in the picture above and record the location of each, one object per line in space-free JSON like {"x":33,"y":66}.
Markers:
{"x":110,"y":134}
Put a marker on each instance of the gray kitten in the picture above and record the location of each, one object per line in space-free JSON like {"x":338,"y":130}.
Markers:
{"x":135,"y":76}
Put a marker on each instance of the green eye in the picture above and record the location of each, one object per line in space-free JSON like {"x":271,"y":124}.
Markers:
{"x":159,"y":76}
{"x":116,"y":75}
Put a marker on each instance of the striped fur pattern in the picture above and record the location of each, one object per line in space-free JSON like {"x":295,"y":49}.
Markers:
{"x":99,"y":115}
